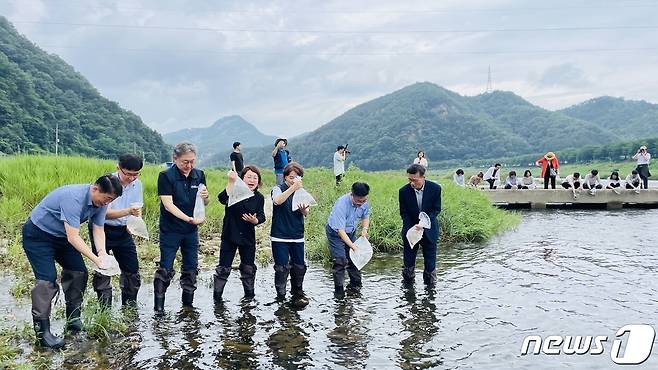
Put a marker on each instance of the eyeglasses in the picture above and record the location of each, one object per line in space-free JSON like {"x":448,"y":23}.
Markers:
{"x":187,"y":162}
{"x":129,"y":174}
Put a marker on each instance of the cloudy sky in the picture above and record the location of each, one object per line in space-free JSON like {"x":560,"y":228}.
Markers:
{"x":291,"y":66}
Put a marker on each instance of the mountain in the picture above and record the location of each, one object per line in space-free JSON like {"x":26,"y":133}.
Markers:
{"x":39,"y":91}
{"x":386,"y":133}
{"x":219,"y":138}
{"x":629,"y":118}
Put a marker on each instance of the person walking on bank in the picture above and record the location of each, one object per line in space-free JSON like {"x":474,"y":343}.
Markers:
{"x":492,"y":176}
{"x":549,"y":168}
{"x":237,"y":163}
{"x":117,"y":238}
{"x":420,"y":159}
{"x":287,"y":235}
{"x":339,"y":163}
{"x":239,"y":233}
{"x":52,"y":234}
{"x":177,"y":188}
{"x":281,"y":159}
{"x":643,"y":157}
{"x":341,"y":233}
{"x":420,"y":195}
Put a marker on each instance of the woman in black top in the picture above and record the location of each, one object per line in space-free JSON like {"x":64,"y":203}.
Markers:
{"x":238,"y":233}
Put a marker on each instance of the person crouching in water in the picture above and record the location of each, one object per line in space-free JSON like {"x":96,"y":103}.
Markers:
{"x":239,"y":232}
{"x":341,"y":233}
{"x":287,"y":235}
{"x":52,"y":234}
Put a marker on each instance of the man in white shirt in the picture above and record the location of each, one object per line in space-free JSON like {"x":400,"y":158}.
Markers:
{"x":339,"y":163}
{"x":492,"y":176}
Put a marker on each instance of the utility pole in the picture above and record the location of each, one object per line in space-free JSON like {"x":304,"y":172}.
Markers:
{"x":56,"y":138}
{"x":489,"y":85}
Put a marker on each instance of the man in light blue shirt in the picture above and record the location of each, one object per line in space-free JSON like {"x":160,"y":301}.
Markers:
{"x":118,"y":239}
{"x":52,"y":234}
{"x":341,"y":233}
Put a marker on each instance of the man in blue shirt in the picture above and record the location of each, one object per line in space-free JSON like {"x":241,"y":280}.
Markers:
{"x":117,"y":238}
{"x":341,"y":233}
{"x":420,"y":195}
{"x":177,"y":188}
{"x":281,"y":159}
{"x":52,"y":234}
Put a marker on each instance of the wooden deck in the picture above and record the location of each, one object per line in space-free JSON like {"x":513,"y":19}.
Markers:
{"x":540,"y":198}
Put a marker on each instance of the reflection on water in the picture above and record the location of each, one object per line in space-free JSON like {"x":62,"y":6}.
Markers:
{"x":560,"y":273}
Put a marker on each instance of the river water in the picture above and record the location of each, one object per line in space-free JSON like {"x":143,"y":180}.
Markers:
{"x":559,"y":273}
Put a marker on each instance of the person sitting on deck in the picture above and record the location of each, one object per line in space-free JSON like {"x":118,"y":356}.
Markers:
{"x":511,"y":181}
{"x":613,"y":181}
{"x":634,"y":181}
{"x":572,"y":182}
{"x":527,"y":181}
{"x":592,"y":181}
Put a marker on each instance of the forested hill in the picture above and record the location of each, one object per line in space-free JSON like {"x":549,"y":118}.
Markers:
{"x":630,"y":119}
{"x":385,"y":133}
{"x":39,"y":90}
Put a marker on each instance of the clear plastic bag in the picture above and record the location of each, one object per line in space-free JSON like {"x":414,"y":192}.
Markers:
{"x":239,"y":192}
{"x":302,"y":196}
{"x":424,"y":220}
{"x":414,"y":236}
{"x":199,"y":206}
{"x":111,"y":266}
{"x":137,"y":226}
{"x":363,"y":254}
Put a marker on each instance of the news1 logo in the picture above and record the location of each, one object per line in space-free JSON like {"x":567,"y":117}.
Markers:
{"x":636,"y":348}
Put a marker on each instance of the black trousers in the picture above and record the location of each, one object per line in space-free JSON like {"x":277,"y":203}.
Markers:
{"x":547,"y":177}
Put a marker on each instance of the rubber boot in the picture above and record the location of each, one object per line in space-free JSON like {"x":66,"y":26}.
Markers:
{"x":248,"y":277}
{"x":219,"y":282}
{"x":188,"y":284}
{"x":280,"y":280}
{"x":338,"y":273}
{"x":103,"y":287}
{"x":429,"y":278}
{"x":42,"y":296}
{"x":161,"y":280}
{"x":129,"y":284}
{"x":297,"y":273}
{"x":74,"y":284}
{"x":355,"y":277}
{"x":408,"y":275}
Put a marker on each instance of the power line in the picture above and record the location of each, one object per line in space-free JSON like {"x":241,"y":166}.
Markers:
{"x":256,"y":30}
{"x":361,"y":53}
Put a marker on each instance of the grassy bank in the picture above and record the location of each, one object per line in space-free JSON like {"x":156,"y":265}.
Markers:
{"x":25,"y":180}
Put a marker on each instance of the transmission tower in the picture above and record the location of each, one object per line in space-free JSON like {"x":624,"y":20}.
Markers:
{"x":489,"y":85}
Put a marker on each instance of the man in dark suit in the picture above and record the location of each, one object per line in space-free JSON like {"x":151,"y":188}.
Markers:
{"x":420,"y":195}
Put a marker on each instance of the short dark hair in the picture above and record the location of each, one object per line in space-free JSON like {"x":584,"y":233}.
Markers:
{"x":109,"y":184}
{"x":512,"y":173}
{"x":236,"y":144}
{"x":360,"y":189}
{"x":131,"y":162}
{"x":527,"y":173}
{"x":339,"y":147}
{"x":594,"y":172}
{"x":459,"y":171}
{"x":253,"y":169}
{"x":576,"y":174}
{"x":416,"y":169}
{"x":294,"y":166}
{"x":634,"y":172}
{"x":498,"y":165}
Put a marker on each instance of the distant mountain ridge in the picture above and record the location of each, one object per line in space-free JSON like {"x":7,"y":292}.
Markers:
{"x":386,"y":132}
{"x":220,"y":136}
{"x":39,"y":91}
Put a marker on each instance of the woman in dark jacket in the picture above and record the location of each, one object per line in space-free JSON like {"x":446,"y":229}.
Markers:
{"x":238,"y":233}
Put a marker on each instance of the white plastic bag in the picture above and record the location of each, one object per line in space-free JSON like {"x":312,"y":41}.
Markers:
{"x":137,"y":226}
{"x":363,"y":254}
{"x":199,"y":207}
{"x":239,"y":192}
{"x":111,"y":266}
{"x":302,"y":196}
{"x":424,"y":220}
{"x":414,"y":235}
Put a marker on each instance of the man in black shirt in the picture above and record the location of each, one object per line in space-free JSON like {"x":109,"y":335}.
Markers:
{"x":237,"y":163}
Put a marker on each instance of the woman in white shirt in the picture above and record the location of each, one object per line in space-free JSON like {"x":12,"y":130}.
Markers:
{"x":458,"y":177}
{"x":420,"y":159}
{"x":643,"y":157}
{"x":528,"y":182}
{"x":613,"y":181}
